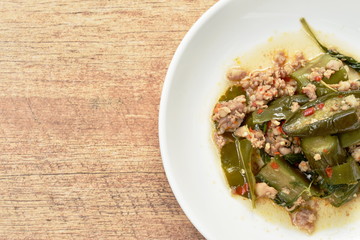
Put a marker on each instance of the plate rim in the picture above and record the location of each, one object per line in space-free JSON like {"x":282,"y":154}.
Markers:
{"x":163,"y":106}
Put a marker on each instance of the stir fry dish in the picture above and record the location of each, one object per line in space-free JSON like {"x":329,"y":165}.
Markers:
{"x":291,"y":132}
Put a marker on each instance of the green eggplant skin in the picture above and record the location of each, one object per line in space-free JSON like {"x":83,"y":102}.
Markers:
{"x":244,"y":152}
{"x":301,"y":75}
{"x":294,"y":158}
{"x":322,"y":99}
{"x":279,"y":109}
{"x":346,"y":173}
{"x":236,"y":159}
{"x":349,"y":138}
{"x":323,"y":121}
{"x":329,"y":149}
{"x":343,"y":194}
{"x":280,"y":175}
{"x":231,"y":93}
{"x":231,"y":165}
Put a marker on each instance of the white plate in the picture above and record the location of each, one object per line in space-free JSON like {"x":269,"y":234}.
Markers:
{"x":191,"y":88}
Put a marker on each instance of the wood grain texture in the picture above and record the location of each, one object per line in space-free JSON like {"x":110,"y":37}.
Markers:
{"x":80,"y":85}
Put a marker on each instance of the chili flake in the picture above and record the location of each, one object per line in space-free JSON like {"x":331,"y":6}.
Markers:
{"x":318,"y":78}
{"x":309,"y":111}
{"x":274,"y":165}
{"x":241,"y":190}
{"x":320,"y":105}
{"x":329,"y":171}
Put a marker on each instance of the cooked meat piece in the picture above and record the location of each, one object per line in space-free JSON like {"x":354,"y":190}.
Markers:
{"x":304,"y":218}
{"x":350,"y":101}
{"x":304,"y":166}
{"x":264,"y":190}
{"x":230,"y":114}
{"x":285,"y":190}
{"x":220,"y":140}
{"x":284,"y":150}
{"x":242,"y":131}
{"x":277,"y":142}
{"x":265,"y":85}
{"x":328,"y":73}
{"x":256,"y":137}
{"x":334,"y":65}
{"x":258,"y":141}
{"x":309,"y":90}
{"x":295,"y":106}
{"x":299,"y":202}
{"x":344,"y":86}
{"x":236,"y":74}
{"x":280,"y":58}
{"x":355,"y":85}
{"x":316,"y":74}
{"x":299,"y":61}
{"x":317,"y":157}
{"x":355,"y":152}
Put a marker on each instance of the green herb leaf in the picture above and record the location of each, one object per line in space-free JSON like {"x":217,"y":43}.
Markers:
{"x":244,"y":150}
{"x":312,"y":35}
{"x":346,"y":59}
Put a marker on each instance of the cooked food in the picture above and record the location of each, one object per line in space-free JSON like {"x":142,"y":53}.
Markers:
{"x":291,"y":132}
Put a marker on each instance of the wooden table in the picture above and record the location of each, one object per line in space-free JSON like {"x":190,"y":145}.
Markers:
{"x":80,"y":85}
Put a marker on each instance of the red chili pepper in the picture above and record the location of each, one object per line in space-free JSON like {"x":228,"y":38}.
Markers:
{"x":241,"y":190}
{"x":329,"y":171}
{"x":281,"y":130}
{"x":340,"y":96}
{"x":260,"y":111}
{"x":274,"y":165}
{"x":318,"y":78}
{"x":325,"y":151}
{"x":309,"y":111}
{"x":320,"y":105}
{"x":287,"y":79}
{"x":216,"y":109}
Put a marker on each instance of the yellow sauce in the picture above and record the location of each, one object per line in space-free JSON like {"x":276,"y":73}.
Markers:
{"x":260,"y":58}
{"x":328,"y":215}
